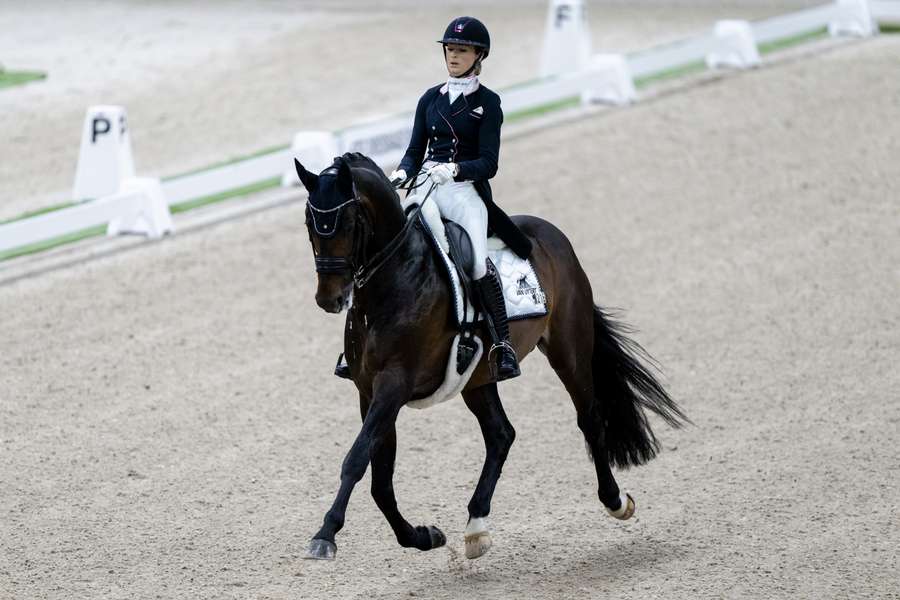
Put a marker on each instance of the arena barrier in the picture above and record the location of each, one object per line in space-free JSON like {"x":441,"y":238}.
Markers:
{"x":141,"y":205}
{"x":139,"y":208}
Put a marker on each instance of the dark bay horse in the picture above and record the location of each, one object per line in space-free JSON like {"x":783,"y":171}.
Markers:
{"x":398,"y":335}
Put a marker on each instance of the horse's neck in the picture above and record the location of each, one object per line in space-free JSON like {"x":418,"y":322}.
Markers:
{"x":387,"y":217}
{"x":403,"y":284}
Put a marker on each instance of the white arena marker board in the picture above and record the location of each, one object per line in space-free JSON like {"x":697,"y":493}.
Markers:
{"x":567,"y":39}
{"x":105,"y":159}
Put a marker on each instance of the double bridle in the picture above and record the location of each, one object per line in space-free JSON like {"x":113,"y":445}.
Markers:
{"x":326,"y":226}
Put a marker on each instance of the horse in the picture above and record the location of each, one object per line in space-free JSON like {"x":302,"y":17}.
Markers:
{"x":373,"y":260}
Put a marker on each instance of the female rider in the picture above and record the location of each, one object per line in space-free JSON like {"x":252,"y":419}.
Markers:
{"x":458,"y":123}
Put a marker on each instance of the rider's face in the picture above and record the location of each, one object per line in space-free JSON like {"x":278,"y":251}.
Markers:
{"x":459,"y":58}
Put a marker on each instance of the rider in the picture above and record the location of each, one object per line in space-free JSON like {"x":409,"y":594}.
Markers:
{"x":458,"y":122}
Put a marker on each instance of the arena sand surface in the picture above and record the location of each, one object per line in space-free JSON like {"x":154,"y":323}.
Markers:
{"x":207,"y":81}
{"x":169,"y":426}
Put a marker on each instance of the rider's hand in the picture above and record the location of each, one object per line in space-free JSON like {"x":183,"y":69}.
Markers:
{"x":443,"y":173}
{"x":398,"y":176}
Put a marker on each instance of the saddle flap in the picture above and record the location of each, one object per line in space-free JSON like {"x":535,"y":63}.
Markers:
{"x":461,"y":251}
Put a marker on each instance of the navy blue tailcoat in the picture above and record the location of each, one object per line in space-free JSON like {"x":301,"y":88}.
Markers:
{"x":467,"y":133}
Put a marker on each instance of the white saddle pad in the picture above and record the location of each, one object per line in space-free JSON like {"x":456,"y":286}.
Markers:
{"x":521,"y":288}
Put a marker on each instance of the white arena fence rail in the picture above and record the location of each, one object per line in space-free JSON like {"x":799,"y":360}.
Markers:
{"x":139,"y":208}
{"x":886,"y":11}
{"x":385,"y":139}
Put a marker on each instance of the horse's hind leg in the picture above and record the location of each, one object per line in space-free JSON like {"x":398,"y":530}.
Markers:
{"x":570,"y":356}
{"x":498,"y":432}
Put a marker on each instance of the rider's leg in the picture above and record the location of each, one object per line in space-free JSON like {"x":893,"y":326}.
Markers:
{"x":460,"y":203}
{"x":493,"y":304}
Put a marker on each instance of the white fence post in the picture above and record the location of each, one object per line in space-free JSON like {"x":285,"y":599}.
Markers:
{"x":854,"y":18}
{"x":736,"y":46}
{"x":609,"y":81}
{"x":149,"y":213}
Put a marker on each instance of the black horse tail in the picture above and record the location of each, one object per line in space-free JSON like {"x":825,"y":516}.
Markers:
{"x":623,"y":388}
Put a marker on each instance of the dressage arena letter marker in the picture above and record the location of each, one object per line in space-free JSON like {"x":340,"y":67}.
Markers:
{"x":567,"y":40}
{"x":105,"y":159}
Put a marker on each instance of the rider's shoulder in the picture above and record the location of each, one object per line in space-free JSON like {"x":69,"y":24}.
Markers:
{"x":488,"y":95}
{"x":431,"y":92}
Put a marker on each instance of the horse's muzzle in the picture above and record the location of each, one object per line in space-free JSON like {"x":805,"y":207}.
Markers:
{"x":332,"y":304}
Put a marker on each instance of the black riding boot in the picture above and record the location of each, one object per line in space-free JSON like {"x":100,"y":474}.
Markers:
{"x":494,"y":307}
{"x":342,"y":369}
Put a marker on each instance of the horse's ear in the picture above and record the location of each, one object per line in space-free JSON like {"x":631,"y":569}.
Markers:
{"x":345,"y":180}
{"x":309,"y":180}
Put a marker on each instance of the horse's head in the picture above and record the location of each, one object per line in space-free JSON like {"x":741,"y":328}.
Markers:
{"x":338,"y":232}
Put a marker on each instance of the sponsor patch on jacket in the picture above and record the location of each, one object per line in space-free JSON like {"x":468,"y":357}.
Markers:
{"x":478,"y":112}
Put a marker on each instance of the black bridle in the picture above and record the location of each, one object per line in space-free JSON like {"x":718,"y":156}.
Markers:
{"x":328,"y":223}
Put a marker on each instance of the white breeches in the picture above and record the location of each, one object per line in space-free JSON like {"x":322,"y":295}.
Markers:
{"x":460,"y":203}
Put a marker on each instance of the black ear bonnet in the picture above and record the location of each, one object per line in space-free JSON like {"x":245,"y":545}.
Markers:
{"x":335,"y":191}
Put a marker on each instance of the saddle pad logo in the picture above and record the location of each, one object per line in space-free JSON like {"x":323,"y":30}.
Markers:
{"x":526,"y":288}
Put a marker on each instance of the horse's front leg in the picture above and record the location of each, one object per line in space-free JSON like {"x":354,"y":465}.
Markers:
{"x":391,"y":393}
{"x":421,"y":537}
{"x":379,"y":421}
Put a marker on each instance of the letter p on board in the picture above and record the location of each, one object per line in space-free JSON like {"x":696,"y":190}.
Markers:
{"x":105,"y":158}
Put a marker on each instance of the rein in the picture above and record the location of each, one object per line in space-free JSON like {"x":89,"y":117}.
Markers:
{"x":365,"y":272}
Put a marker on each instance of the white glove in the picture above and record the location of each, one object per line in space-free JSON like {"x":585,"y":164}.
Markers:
{"x":398,"y":176}
{"x":443,"y":173}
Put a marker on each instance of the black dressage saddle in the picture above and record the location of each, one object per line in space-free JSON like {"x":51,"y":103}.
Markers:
{"x":463,"y":258}
{"x":460,"y":247}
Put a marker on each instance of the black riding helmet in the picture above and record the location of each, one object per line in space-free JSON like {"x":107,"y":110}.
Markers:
{"x":468,"y":31}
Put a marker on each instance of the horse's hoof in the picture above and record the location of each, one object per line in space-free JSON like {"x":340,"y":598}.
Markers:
{"x":478,"y":544}
{"x":626,"y":510}
{"x":437,"y":536}
{"x":321,"y":550}
{"x":478,"y":537}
